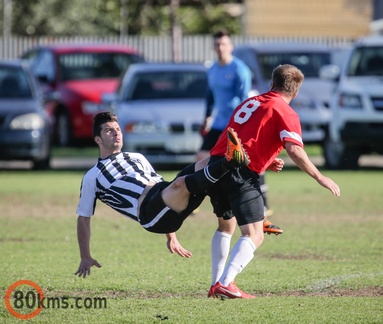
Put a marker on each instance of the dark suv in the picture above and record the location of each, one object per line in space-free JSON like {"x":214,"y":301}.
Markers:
{"x":75,"y":75}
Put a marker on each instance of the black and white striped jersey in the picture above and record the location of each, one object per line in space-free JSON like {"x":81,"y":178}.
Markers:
{"x":118,"y":181}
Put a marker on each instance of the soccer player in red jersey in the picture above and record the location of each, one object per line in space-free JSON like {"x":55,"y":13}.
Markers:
{"x":265,"y":124}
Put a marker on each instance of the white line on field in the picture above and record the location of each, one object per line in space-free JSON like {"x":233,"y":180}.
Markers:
{"x":330,"y":282}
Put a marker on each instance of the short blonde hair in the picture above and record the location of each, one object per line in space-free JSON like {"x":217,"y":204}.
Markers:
{"x":287,"y":79}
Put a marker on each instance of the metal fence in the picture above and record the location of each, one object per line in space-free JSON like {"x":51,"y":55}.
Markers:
{"x":196,"y":48}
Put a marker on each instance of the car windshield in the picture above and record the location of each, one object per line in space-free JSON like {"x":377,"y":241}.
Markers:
{"x":82,"y":66}
{"x":366,"y":61}
{"x":13,"y":83}
{"x":308,"y":63}
{"x":168,"y":85}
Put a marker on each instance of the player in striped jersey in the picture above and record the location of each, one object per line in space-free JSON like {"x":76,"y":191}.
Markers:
{"x":265,"y":124}
{"x":128,"y":183}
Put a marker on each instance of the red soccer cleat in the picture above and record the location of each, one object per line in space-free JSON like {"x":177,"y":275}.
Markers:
{"x":231,"y":291}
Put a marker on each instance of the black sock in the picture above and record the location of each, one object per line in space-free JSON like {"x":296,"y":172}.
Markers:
{"x":204,"y":179}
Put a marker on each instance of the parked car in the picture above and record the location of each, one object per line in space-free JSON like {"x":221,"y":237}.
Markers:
{"x":160,"y":108}
{"x":25,"y":125}
{"x":312,"y":102}
{"x":356,"y":127}
{"x":76,"y":75}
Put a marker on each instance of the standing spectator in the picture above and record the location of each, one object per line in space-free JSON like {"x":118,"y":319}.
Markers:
{"x":265,"y":124}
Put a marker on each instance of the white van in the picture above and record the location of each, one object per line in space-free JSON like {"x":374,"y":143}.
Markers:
{"x":356,"y":125}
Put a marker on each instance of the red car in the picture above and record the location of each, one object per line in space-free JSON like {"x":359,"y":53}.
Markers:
{"x":75,"y":76}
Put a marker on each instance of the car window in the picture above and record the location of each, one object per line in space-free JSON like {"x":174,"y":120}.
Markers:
{"x":308,"y":63}
{"x":13,"y":83}
{"x":82,"y":66}
{"x":167,"y":85}
{"x":42,"y":64}
{"x":366,"y":61}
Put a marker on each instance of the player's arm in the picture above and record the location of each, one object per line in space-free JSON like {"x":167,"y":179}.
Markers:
{"x":83,"y":237}
{"x":175,"y":247}
{"x":209,"y":101}
{"x":300,"y":158}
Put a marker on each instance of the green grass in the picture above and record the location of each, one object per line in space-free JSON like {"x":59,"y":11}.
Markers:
{"x":92,"y":151}
{"x":325,"y":268}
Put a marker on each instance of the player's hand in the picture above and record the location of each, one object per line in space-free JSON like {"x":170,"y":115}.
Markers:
{"x":205,"y":127}
{"x":330,"y":185}
{"x":85,"y":265}
{"x":175,"y":247}
{"x":276,"y":165}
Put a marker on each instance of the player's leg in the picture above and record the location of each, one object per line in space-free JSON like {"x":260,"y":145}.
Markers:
{"x":176,"y":195}
{"x":268,"y":227}
{"x":240,"y":256}
{"x":220,"y":248}
{"x":246,"y":204}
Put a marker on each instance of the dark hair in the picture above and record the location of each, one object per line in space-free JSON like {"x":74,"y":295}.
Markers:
{"x":102,"y":118}
{"x":220,"y":33}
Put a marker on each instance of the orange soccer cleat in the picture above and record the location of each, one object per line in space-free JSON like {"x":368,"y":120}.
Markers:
{"x":235,"y":153}
{"x":270,"y":228}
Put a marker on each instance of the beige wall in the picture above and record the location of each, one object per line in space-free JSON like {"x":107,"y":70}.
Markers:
{"x":344,"y":18}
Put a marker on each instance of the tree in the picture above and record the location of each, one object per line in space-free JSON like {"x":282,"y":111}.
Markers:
{"x":119,"y":17}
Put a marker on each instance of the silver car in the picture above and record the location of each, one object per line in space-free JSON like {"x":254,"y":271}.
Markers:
{"x":312,"y":102}
{"x":25,"y":124}
{"x":160,"y":108}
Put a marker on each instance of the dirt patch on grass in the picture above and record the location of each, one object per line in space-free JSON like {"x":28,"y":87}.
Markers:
{"x":363,"y":292}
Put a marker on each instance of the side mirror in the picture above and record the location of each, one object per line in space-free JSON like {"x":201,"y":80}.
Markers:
{"x":109,"y":98}
{"x":329,"y":72}
{"x":108,"y":101}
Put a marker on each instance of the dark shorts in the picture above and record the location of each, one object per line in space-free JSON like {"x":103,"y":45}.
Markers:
{"x":210,"y":139}
{"x":238,"y":194}
{"x":156,"y":217}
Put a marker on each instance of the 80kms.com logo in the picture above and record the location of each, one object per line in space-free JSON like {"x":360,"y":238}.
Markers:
{"x":25,"y":299}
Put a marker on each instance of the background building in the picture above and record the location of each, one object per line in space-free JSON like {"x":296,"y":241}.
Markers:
{"x":302,"y":18}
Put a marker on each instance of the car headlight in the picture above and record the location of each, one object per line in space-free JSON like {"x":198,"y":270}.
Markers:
{"x":92,"y":108}
{"x":142,"y":127}
{"x":302,"y":103}
{"x":27,"y":122}
{"x":350,"y":101}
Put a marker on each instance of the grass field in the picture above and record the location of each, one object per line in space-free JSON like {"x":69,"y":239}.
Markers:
{"x":327,"y":267}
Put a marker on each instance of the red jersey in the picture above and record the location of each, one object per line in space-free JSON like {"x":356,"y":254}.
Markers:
{"x":263,"y":123}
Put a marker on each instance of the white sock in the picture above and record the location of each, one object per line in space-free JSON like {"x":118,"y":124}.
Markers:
{"x":220,"y":248}
{"x":241,"y":255}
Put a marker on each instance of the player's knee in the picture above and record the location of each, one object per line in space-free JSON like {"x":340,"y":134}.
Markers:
{"x":257,"y":239}
{"x":179,"y":185}
{"x":227,"y":226}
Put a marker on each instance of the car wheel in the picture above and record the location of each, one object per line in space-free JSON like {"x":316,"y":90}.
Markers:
{"x":43,"y":164}
{"x":339,"y":156}
{"x":63,"y":136}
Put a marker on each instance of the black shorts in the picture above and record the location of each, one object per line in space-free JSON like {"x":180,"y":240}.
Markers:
{"x":238,"y":194}
{"x":156,"y":217}
{"x":210,"y":139}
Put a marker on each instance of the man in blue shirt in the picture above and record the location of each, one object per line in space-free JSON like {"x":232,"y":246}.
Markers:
{"x":229,"y":83}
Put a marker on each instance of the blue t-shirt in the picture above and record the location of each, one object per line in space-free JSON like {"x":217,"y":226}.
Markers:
{"x":230,"y":84}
